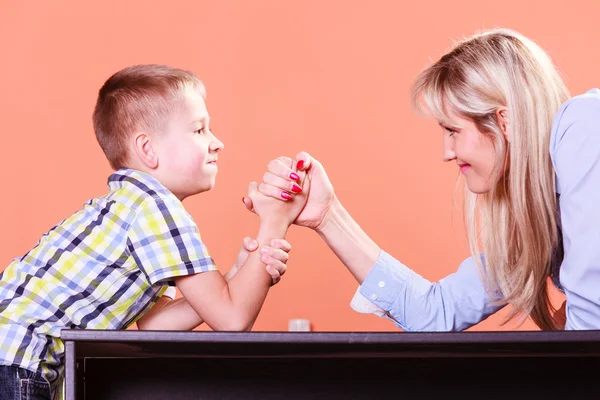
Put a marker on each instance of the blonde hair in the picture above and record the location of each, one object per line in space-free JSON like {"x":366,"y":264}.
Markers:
{"x":139,"y":97}
{"x":517,"y":218}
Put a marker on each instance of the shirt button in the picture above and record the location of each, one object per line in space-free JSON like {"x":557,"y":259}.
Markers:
{"x":381,"y":284}
{"x":373,"y":296}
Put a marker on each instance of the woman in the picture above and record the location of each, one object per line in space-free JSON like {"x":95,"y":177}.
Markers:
{"x":531,"y":160}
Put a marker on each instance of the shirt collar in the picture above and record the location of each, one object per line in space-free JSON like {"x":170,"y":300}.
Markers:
{"x":139,"y":180}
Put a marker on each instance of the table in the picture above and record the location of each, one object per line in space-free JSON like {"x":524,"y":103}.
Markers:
{"x":330,"y":365}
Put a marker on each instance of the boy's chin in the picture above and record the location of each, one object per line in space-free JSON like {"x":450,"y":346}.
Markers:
{"x":197,"y":190}
{"x":206,"y":187}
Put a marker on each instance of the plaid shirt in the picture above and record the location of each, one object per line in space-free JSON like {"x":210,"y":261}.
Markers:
{"x":102,"y":268}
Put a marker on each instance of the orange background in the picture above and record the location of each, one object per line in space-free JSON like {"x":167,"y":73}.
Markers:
{"x":329,"y":77}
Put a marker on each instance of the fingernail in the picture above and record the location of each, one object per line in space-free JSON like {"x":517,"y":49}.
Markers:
{"x":286,"y":195}
{"x":296,"y":188}
{"x":300,"y":164}
{"x":265,"y":259}
{"x":294,"y":176}
{"x":254,"y":243}
{"x":264,"y":250}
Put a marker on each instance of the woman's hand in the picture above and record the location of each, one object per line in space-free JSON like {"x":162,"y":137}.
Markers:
{"x":281,"y":182}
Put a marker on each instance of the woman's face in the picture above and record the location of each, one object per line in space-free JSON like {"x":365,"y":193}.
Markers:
{"x":473,"y":152}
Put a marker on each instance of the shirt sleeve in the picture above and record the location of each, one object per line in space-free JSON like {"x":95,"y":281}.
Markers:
{"x":165,"y":241}
{"x":170,"y":292}
{"x":575,"y":151}
{"x":413,"y":303}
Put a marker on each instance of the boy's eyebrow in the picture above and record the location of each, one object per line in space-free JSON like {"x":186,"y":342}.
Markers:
{"x":205,"y":120}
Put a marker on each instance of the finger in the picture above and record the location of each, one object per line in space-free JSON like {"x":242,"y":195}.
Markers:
{"x":274,"y":192}
{"x":248,"y":203}
{"x":283,"y":184}
{"x":303,"y":161}
{"x":252,"y":189}
{"x":277,"y":266}
{"x":275,"y":275}
{"x":275,"y":254}
{"x":287,"y":161}
{"x":281,"y":244}
{"x":249,"y":244}
{"x":280,"y":169}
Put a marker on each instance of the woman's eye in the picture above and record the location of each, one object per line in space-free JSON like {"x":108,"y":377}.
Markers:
{"x":450,"y":130}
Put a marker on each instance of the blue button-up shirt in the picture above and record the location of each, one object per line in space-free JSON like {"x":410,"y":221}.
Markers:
{"x":460,"y":300}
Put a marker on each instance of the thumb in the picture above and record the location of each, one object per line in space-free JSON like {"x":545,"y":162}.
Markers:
{"x":252,"y":189}
{"x":303,"y":161}
{"x":248,"y":245}
{"x":248,"y":203}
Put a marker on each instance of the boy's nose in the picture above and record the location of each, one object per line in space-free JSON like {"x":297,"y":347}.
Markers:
{"x":216,"y":145}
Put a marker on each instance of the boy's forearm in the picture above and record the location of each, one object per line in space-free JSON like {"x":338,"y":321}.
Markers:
{"x":249,"y":287}
{"x":349,"y":242}
{"x":233,"y":305}
{"x":174,"y":315}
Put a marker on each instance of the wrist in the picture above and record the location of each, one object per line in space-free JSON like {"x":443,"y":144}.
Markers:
{"x":333,"y":214}
{"x":272,"y":228}
{"x":275,"y":221}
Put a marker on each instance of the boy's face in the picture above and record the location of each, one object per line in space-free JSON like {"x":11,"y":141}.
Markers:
{"x":187,"y":149}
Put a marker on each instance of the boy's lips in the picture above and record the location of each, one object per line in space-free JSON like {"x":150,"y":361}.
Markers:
{"x":212,"y":164}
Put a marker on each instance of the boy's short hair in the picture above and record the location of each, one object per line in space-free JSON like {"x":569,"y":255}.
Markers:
{"x":136,"y":98}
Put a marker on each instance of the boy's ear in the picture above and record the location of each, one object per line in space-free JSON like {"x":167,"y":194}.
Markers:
{"x":144,"y":151}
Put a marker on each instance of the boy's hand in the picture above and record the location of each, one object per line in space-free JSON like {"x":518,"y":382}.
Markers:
{"x":280,"y":203}
{"x":280,"y":176}
{"x":275,"y":256}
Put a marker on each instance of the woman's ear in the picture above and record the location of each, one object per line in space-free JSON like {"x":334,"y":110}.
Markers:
{"x":144,"y":151}
{"x":502,"y":118}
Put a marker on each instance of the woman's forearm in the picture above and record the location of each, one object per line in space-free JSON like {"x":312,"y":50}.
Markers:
{"x":348,"y":241}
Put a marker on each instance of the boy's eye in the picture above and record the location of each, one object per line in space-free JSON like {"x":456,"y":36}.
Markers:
{"x":202,"y":130}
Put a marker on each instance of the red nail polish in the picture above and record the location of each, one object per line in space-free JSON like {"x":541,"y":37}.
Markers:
{"x":296,"y":188}
{"x":294,"y":176}
{"x":300,"y":164}
{"x":286,"y":195}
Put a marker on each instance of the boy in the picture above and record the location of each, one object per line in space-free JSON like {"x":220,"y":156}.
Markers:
{"x":108,"y":264}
